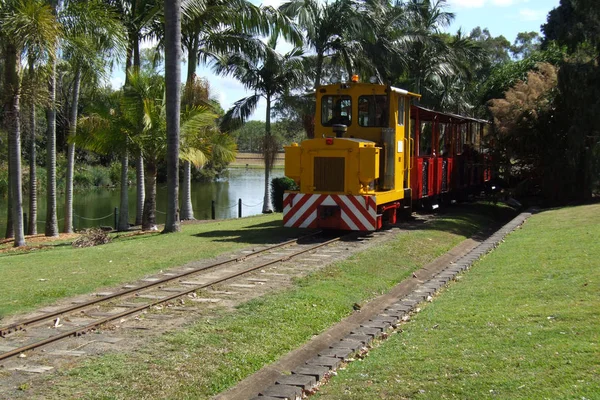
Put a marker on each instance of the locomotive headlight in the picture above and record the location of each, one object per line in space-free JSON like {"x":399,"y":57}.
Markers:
{"x":373,"y":79}
{"x":334,"y":79}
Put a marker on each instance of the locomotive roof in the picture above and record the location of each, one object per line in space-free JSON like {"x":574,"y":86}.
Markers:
{"x":426,"y":114}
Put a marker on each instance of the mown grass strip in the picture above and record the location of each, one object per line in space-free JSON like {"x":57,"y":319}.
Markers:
{"x":213,"y":355}
{"x":39,"y":277}
{"x":521,"y":324}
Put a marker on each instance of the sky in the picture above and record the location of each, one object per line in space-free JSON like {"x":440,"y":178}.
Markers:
{"x":501,"y":17}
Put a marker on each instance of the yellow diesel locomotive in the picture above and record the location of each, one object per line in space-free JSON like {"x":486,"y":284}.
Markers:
{"x":356,"y":173}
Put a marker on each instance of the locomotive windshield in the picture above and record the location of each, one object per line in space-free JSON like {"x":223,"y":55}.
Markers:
{"x":372,"y":111}
{"x":336,"y":110}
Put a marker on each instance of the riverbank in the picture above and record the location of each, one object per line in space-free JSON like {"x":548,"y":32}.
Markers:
{"x":96,"y":207}
{"x":255,"y":160}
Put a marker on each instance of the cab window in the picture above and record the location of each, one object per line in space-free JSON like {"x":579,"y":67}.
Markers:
{"x":400,"y":111}
{"x":336,"y":110}
{"x":372,"y":111}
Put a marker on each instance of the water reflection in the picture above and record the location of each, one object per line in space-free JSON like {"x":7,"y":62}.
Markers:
{"x":96,"y":207}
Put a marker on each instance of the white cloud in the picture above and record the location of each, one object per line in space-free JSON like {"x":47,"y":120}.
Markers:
{"x":528,"y":14}
{"x":467,"y":3}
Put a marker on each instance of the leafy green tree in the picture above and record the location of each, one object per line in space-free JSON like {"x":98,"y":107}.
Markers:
{"x":249,"y":137}
{"x":574,"y":23}
{"x":269,"y":75}
{"x":496,"y":48}
{"x":525,"y":44}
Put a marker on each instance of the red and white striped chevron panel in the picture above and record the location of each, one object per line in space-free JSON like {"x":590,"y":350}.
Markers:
{"x":355,"y":213}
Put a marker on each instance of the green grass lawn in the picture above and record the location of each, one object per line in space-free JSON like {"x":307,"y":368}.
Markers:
{"x":38,"y":277}
{"x":213,"y":355}
{"x":523,"y":323}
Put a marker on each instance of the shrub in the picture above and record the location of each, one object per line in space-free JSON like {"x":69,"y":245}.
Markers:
{"x":82,"y":178}
{"x":100,"y":176}
{"x":115,"y":172}
{"x":278,"y":187}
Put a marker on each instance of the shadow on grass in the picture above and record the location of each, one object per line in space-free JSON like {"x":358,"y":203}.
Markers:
{"x":260,"y":235}
{"x":475,"y":220}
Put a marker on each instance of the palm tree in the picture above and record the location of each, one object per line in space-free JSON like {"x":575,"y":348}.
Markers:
{"x":145,"y":94}
{"x":422,"y":43}
{"x":328,"y":28}
{"x":173,"y":109}
{"x":269,"y":75}
{"x":379,"y":43}
{"x":106,"y":130}
{"x":139,"y":17}
{"x":24,"y":24}
{"x":201,"y":140}
{"x":93,"y":34}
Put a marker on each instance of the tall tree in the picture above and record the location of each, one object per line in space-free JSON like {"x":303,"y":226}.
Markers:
{"x":173,"y":109}
{"x":107,"y":131}
{"x":23,"y":24}
{"x":525,"y":44}
{"x":269,"y":75}
{"x":93,"y":33}
{"x":327,"y":27}
{"x":139,"y":17}
{"x":574,"y":23}
{"x":51,"y":226}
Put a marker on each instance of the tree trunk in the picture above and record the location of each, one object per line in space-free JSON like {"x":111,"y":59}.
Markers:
{"x":51,"y":228}
{"x":124,"y":206}
{"x":187,"y":209}
{"x":173,"y":100}
{"x":12,"y":115}
{"x":149,"y":217}
{"x":10,"y":231}
{"x":32,"y":229}
{"x":140,"y":192}
{"x":71,"y":153}
{"x":319,"y":70}
{"x":268,"y":158}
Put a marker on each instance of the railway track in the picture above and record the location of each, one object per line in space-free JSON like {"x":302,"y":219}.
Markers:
{"x":169,"y":288}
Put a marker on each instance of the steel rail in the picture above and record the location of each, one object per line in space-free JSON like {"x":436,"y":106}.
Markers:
{"x":19,"y":325}
{"x":82,"y":330}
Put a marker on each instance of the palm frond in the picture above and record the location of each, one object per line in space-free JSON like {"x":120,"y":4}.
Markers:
{"x":239,"y":113}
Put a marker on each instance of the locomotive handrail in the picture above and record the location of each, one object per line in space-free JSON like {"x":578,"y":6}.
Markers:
{"x":406,"y":154}
{"x":412,"y":145}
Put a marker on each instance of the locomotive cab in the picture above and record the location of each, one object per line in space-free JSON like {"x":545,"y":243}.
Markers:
{"x":356,"y":171}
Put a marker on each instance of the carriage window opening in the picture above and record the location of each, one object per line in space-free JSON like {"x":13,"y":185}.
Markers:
{"x":485,"y":138}
{"x":336,"y":110}
{"x":461,"y":136}
{"x":425,"y":138}
{"x":445,"y":140}
{"x":400,"y":111}
{"x":373,"y":111}
{"x":476,"y":135}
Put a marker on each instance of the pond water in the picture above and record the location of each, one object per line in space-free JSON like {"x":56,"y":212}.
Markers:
{"x":96,"y":207}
